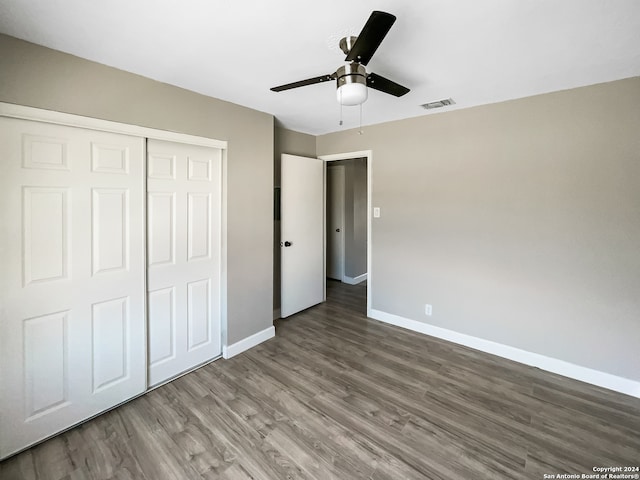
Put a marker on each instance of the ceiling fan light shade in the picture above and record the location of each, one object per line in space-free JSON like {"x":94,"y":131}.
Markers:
{"x":352,"y":94}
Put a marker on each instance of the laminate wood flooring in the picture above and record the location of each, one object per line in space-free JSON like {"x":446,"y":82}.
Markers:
{"x":337,"y":396}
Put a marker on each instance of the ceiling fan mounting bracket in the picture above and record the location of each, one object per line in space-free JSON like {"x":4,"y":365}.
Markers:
{"x":347,"y":43}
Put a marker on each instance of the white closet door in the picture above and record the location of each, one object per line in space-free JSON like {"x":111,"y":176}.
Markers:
{"x":184,"y":238}
{"x":72,"y":277}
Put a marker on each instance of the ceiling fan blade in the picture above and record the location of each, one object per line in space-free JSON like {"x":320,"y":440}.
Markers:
{"x":371,"y":37}
{"x":385,"y":85}
{"x":304,"y":83}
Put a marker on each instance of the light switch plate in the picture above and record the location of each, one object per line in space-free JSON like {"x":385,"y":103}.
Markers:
{"x":376,"y":212}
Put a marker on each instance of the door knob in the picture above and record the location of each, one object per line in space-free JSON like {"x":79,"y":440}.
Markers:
{"x":288,"y":244}
{"x":338,"y":230}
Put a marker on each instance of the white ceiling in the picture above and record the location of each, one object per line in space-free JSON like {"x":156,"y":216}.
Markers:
{"x":476,"y":52}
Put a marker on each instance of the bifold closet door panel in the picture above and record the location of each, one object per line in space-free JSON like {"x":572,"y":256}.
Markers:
{"x":184,"y":204}
{"x":72,"y":317}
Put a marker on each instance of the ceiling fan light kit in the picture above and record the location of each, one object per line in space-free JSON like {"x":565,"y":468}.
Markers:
{"x":352,"y":79}
{"x":352,"y":84}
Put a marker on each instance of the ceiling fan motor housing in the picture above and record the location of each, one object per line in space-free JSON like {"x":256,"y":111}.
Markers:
{"x":351,"y":80}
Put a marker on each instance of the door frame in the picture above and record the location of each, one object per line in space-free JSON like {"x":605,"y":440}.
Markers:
{"x":368,"y":154}
{"x":11,"y":110}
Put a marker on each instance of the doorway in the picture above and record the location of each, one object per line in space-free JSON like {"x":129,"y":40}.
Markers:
{"x":303,"y":230}
{"x":356,"y":221}
{"x":335,"y":221}
{"x":346,"y":217}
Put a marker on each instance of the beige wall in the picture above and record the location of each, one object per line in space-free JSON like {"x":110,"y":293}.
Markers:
{"x":39,"y":77}
{"x":519,"y":222}
{"x":293,"y":143}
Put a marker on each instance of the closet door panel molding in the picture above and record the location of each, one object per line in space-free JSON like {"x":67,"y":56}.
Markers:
{"x":184,"y":187}
{"x":73,"y":325}
{"x":74,"y":337}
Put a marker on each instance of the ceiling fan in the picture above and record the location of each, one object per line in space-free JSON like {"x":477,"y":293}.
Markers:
{"x":352,"y":78}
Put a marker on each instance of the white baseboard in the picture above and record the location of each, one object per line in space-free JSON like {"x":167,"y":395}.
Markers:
{"x":249,"y":342}
{"x":276,"y":313}
{"x":354,"y":280}
{"x":577,"y":372}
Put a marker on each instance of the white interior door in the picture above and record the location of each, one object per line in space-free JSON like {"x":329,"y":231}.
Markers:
{"x":335,"y":222}
{"x":72,"y":318}
{"x":302,"y":233}
{"x":184,"y":206}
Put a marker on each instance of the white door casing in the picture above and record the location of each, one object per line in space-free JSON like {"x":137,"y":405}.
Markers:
{"x":72,"y":312}
{"x":184,"y":195}
{"x":335,"y":222}
{"x":302,"y":226}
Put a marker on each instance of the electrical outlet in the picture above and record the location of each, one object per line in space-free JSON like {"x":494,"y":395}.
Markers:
{"x":427,"y":309}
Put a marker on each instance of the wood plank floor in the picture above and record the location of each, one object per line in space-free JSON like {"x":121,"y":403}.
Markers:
{"x":337,"y":396}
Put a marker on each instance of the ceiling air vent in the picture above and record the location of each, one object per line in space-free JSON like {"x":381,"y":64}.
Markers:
{"x":439,"y":104}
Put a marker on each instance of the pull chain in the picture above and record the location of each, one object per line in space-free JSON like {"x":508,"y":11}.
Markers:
{"x":360,"y":132}
{"x":340,"y":91}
